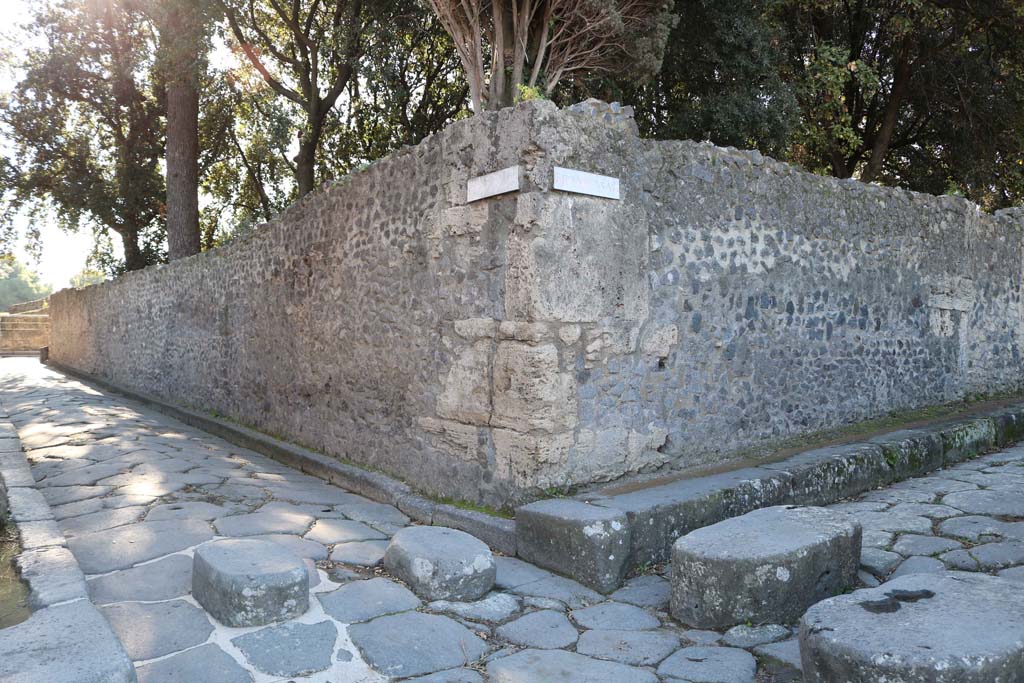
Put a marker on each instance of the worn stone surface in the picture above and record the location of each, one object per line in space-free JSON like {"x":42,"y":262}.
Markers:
{"x":494,"y":607}
{"x":291,"y":649}
{"x":645,"y":591}
{"x":933,"y":628}
{"x":440,"y":563}
{"x":751,"y":636}
{"x":541,"y":666}
{"x":332,"y":531}
{"x":545,"y":630}
{"x":245,"y":582}
{"x":636,"y":648}
{"x":149,"y":631}
{"x":588,"y":542}
{"x":362,"y":553}
{"x":164,"y":579}
{"x":364,"y":600}
{"x":766,"y":566}
{"x":710,"y":665}
{"x":126,"y":546}
{"x":53,"y":576}
{"x":70,"y":642}
{"x":615,"y":615}
{"x":412,"y":644}
{"x":205,"y":664}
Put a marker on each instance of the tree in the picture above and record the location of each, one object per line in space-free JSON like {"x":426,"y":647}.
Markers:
{"x":86,"y":277}
{"x":720,"y":80}
{"x":880,"y":80}
{"x":508,"y":45}
{"x":18,"y":284}
{"x":87,"y":128}
{"x":306,"y":51}
{"x":182,"y":50}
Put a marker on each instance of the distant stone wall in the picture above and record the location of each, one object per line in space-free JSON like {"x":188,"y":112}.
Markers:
{"x":541,"y":338}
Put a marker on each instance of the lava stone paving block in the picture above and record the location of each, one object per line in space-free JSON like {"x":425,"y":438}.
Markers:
{"x":587,"y":542}
{"x":413,"y":644}
{"x":767,"y":566}
{"x":440,"y":563}
{"x":954,"y":627}
{"x":246,"y":582}
{"x":548,"y":666}
{"x":69,"y":642}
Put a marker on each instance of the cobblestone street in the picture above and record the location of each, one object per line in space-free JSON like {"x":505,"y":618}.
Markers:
{"x":136,"y":493}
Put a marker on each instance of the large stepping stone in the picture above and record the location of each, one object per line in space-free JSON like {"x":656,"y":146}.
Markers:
{"x":440,"y":563}
{"x":940,"y":628}
{"x":203,"y":664}
{"x":247,"y":582}
{"x":767,"y":566}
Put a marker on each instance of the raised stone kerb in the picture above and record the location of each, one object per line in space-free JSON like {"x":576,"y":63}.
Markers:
{"x":587,"y":542}
{"x":440,"y":563}
{"x":923,"y":628}
{"x":767,"y":566}
{"x":248,"y":582}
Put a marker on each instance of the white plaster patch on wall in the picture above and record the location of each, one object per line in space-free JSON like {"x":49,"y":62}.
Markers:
{"x":492,"y":184}
{"x":581,"y":182}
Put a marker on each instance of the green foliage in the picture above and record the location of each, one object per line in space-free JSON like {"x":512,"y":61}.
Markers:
{"x":18,"y":284}
{"x":526,"y":93}
{"x":86,"y":277}
{"x":87,"y":127}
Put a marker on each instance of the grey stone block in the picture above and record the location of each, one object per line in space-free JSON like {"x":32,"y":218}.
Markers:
{"x":493,"y":608}
{"x":332,"y":531}
{"x":609,"y":615}
{"x":43,"y":534}
{"x":587,"y":542}
{"x":450,"y":676}
{"x":544,"y":630}
{"x":164,"y":579}
{"x":785,"y":653}
{"x":747,"y":637}
{"x":440,"y":563}
{"x":362,"y":553}
{"x":645,"y":591}
{"x":291,"y":649}
{"x":27,"y":505}
{"x":261,"y":523}
{"x":767,"y":566}
{"x":923,"y":628}
{"x":879,"y":562}
{"x":246,"y":582}
{"x":148,"y":631}
{"x":364,"y":600}
{"x":414,"y":644}
{"x":918,"y":565}
{"x":968,"y":439}
{"x":69,"y":642}
{"x":826,"y":475}
{"x":659,"y":515}
{"x":53,"y":576}
{"x":497,"y":532}
{"x":710,"y":665}
{"x":636,"y":648}
{"x":204,"y":664}
{"x":547,"y":666}
{"x":126,"y":546}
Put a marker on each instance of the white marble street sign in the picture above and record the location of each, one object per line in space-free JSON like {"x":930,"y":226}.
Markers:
{"x":581,"y":182}
{"x":491,"y":184}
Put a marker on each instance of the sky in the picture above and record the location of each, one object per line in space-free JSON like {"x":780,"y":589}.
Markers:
{"x":63,"y":254}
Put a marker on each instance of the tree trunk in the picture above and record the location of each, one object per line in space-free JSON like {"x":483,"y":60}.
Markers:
{"x":133,"y":258}
{"x":305,"y":161}
{"x":183,"y":238}
{"x":900,"y":86}
{"x":181,"y":38}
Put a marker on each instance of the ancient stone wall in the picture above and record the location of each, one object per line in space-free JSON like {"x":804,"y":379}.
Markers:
{"x":540,"y":338}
